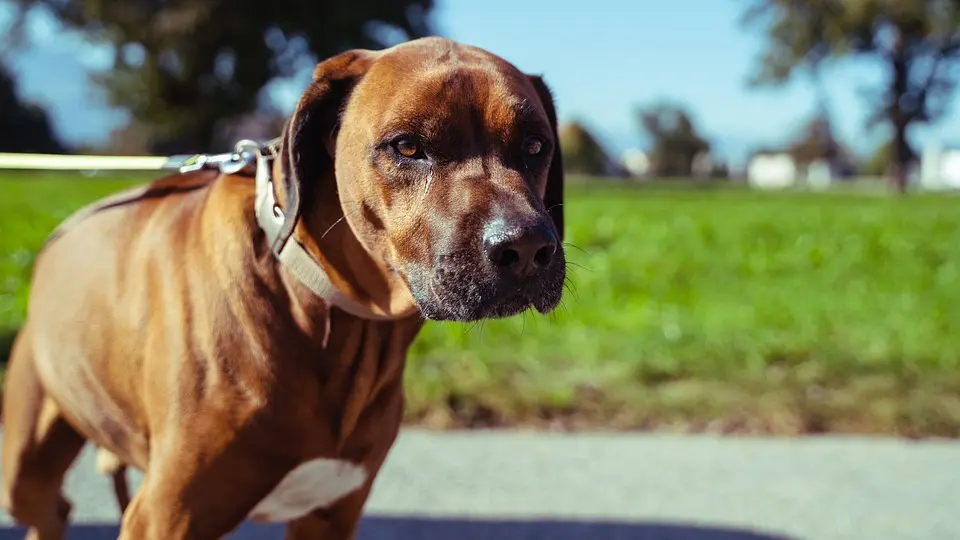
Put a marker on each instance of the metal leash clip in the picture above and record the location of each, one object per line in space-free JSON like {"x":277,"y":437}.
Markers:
{"x":243,"y":159}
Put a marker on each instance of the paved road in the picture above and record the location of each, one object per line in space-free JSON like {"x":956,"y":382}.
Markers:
{"x":513,"y":486}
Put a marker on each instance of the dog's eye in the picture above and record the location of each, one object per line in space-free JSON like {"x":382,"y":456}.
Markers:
{"x":533,"y":146}
{"x":407,"y":147}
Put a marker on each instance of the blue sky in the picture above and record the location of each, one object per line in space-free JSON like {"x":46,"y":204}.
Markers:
{"x":602,"y":63}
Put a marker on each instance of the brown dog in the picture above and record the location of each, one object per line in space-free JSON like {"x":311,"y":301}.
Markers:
{"x":247,"y":352}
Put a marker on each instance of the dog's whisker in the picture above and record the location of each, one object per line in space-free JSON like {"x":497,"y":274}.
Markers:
{"x":571,"y":287}
{"x":554,"y":315}
{"x":571,"y":244}
{"x":341,"y":218}
{"x":469,"y":328}
{"x":427,"y":187}
{"x":322,"y":236}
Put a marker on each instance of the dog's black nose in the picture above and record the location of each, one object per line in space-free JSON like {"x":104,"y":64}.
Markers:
{"x":518,"y":249}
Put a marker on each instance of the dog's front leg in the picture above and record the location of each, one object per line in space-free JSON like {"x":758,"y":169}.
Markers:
{"x":338,"y":522}
{"x":200,"y":490}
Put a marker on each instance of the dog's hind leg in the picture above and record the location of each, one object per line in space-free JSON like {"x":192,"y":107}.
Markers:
{"x":38,"y":448}
{"x":110,"y":465}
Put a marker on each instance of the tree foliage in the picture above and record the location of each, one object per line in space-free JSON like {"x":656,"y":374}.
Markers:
{"x":24,"y":127}
{"x":582,"y":152}
{"x":816,"y":141}
{"x":675,"y":141}
{"x":183,"y":67}
{"x":917,"y":41}
{"x":877,"y":162}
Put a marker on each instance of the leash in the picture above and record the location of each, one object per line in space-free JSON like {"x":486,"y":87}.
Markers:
{"x":181,"y":162}
{"x":249,"y":158}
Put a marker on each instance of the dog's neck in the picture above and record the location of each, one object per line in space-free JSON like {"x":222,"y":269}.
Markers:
{"x":358,"y":362}
{"x":350,"y":276}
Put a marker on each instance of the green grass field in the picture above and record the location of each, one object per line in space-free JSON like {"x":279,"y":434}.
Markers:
{"x":722,"y":310}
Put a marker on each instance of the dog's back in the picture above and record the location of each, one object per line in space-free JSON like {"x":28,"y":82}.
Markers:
{"x":91,"y":311}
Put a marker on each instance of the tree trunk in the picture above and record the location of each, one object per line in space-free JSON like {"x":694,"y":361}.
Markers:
{"x":902,"y":154}
{"x":901,"y":158}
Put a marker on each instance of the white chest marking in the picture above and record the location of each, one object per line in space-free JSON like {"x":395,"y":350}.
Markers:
{"x":313,"y":484}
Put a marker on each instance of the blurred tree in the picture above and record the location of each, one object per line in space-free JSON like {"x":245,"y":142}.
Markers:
{"x":24,"y":127}
{"x":130,"y":139}
{"x":816,"y":141}
{"x":582,"y":152}
{"x":878,"y":163}
{"x":720,"y":170}
{"x":918,"y":41}
{"x":675,"y":142}
{"x":183,"y":67}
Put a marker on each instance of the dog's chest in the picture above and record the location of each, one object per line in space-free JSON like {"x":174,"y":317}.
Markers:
{"x":317,"y":483}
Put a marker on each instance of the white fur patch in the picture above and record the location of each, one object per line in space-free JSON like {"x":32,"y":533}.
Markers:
{"x":313,"y":484}
{"x":107,"y":462}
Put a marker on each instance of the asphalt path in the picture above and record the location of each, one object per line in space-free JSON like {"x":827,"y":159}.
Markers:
{"x":540,"y":486}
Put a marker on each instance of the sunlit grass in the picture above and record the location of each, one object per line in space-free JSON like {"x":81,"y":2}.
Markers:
{"x":691,"y":309}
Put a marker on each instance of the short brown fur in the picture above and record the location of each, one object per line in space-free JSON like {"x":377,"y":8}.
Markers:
{"x":162,"y":328}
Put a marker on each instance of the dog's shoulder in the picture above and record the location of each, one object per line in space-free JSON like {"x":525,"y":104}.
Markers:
{"x":159,"y":189}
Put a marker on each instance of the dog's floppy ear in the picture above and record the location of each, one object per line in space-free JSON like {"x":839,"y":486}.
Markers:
{"x":309,"y":137}
{"x":553,"y":198}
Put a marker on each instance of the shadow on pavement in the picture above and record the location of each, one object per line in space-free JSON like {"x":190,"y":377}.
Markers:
{"x":408,"y":528}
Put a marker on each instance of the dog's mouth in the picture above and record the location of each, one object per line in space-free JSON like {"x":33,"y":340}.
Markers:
{"x":471,"y":292}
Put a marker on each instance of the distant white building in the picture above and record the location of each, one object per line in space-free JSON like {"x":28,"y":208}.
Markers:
{"x":771,"y":170}
{"x":702,"y":166}
{"x":778,"y":170}
{"x":820,"y":174}
{"x":940,"y":167}
{"x":636,"y":162}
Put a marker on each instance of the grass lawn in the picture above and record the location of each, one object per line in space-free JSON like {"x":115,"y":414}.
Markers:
{"x":723,"y":310}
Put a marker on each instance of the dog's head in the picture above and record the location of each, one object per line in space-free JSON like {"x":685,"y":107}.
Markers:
{"x":444,"y":162}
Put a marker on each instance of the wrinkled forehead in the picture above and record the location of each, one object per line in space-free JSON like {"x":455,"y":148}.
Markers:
{"x":425,"y":89}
